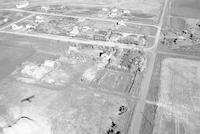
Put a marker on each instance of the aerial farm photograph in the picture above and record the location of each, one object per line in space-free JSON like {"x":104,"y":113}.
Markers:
{"x":99,"y":66}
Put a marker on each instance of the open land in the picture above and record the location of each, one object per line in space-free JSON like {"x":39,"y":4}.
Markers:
{"x":70,"y":71}
{"x":99,"y":67}
{"x":172,"y":101}
{"x":170,"y":106}
{"x":186,"y":8}
{"x":8,"y":17}
{"x":37,"y":82}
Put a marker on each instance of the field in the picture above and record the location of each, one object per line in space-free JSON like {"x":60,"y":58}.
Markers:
{"x":84,"y":67}
{"x":44,"y":73}
{"x":186,"y":8}
{"x":172,"y":105}
{"x":45,"y":111}
{"x":8,"y":17}
{"x":10,"y":57}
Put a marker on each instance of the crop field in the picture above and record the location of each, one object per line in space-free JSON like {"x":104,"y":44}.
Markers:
{"x":173,"y":99}
{"x":186,"y":8}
